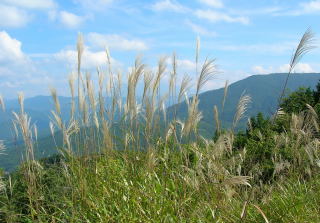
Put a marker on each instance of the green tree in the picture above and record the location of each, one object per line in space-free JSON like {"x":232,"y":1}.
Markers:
{"x":297,"y":101}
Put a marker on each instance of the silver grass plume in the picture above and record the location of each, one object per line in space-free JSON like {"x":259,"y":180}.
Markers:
{"x":156,"y":84}
{"x":80,"y":49}
{"x":71,"y":86}
{"x":306,"y":44}
{"x":197,"y":52}
{"x":225,"y":92}
{"x":133,"y":80}
{"x":241,"y":109}
{"x":216,"y":118}
{"x":173,"y":76}
{"x":147,"y":80}
{"x":2,"y":147}
{"x":2,"y":105}
{"x":184,"y":87}
{"x":207,"y":72}
{"x":54,"y":95}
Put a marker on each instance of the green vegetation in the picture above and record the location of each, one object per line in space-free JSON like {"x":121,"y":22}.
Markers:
{"x":158,"y":168}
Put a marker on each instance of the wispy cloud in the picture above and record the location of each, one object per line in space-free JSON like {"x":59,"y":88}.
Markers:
{"x":200,"y":30}
{"x":215,"y":16}
{"x":168,"y":5}
{"x":256,"y":11}
{"x":259,"y":48}
{"x":32,"y":4}
{"x":96,"y":5}
{"x":71,"y":20}
{"x":13,"y":17}
{"x":312,"y":6}
{"x":300,"y":68}
{"x":304,"y":8}
{"x":213,"y":3}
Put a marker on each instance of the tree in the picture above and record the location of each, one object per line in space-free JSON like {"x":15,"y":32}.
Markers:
{"x":297,"y":101}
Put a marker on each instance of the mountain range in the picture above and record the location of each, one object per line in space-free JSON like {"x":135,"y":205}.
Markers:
{"x":263,"y":89}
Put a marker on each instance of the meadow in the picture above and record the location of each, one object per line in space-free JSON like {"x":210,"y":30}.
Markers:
{"x":130,"y":161}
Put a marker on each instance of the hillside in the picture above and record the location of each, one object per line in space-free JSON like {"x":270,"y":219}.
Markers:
{"x":264,"y":90}
{"x":38,"y":108}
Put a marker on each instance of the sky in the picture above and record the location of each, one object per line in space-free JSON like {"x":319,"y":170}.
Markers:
{"x":247,"y":37}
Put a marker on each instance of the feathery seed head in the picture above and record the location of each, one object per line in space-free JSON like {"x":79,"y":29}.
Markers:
{"x":242,"y":106}
{"x":2,"y":105}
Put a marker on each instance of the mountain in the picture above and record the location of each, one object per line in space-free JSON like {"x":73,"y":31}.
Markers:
{"x":263,"y":89}
{"x":38,"y":108}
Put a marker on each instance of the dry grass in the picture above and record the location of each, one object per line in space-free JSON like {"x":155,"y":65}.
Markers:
{"x":167,"y":173}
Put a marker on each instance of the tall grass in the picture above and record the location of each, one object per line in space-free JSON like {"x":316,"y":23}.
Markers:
{"x":126,"y":161}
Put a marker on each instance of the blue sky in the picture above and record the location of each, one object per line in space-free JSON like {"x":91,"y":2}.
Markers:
{"x":38,"y":37}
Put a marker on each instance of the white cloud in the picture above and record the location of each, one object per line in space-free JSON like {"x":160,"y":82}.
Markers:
{"x":299,"y":68}
{"x":12,"y":17}
{"x":304,"y":8}
{"x":90,"y":59}
{"x":116,"y":42}
{"x":214,"y":16}
{"x":261,"y":70}
{"x":17,"y":13}
{"x":18,"y":71}
{"x":186,"y":65}
{"x":275,"y":48}
{"x":94,"y":4}
{"x":183,"y":66}
{"x":31,"y":4}
{"x":168,"y":5}
{"x":213,"y":3}
{"x":200,"y":30}
{"x":10,"y":49}
{"x":71,"y":20}
{"x":311,"y":6}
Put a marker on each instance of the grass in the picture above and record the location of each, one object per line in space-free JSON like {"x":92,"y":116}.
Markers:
{"x":127,"y":162}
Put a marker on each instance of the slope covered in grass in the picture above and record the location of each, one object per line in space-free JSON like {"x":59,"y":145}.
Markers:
{"x":165,"y":170}
{"x":264,"y":90}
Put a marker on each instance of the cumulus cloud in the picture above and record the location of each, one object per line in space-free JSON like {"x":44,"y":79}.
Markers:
{"x":213,"y":3}
{"x":214,"y":16}
{"x":17,"y":70}
{"x":115,"y":42}
{"x":299,"y":68}
{"x":168,"y":5}
{"x":10,"y":49}
{"x":90,"y":59}
{"x":71,"y":20}
{"x":261,"y":70}
{"x":12,"y":17}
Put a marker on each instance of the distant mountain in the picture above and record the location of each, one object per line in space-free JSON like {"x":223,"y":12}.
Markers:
{"x":264,"y":90}
{"x":38,"y":108}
